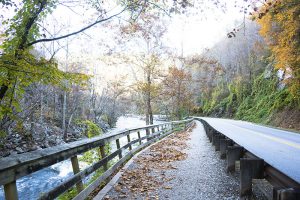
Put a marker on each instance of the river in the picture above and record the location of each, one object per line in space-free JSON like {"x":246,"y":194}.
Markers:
{"x":31,"y":186}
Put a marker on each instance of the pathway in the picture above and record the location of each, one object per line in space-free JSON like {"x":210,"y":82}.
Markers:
{"x":198,"y":174}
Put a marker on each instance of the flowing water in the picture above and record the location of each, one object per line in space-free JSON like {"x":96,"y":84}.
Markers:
{"x":31,"y":186}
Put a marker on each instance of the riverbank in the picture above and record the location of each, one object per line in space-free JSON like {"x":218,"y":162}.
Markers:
{"x":33,"y":136}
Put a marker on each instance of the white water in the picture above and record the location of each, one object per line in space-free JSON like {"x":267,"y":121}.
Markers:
{"x":31,"y":186}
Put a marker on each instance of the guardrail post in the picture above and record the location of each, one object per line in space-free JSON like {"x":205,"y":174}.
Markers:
{"x":286,"y":194}
{"x":118,"y":147}
{"x":214,"y":138}
{"x":217,"y":142}
{"x":209,"y":134}
{"x":152,"y":130}
{"x":76,"y":169}
{"x":234,"y":153}
{"x":139,"y":136}
{"x":128,"y":140}
{"x":10,"y":190}
{"x":102,"y":152}
{"x":224,"y":143}
{"x":147,"y":133}
{"x":250,"y":169}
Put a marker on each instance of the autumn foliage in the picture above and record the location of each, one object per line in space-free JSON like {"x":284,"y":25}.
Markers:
{"x":280,"y":26}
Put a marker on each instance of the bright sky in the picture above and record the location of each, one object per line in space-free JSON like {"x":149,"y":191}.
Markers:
{"x":201,"y":31}
{"x":195,"y":32}
{"x":191,"y":33}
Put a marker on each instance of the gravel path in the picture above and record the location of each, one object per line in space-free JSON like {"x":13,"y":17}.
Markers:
{"x":200,"y":176}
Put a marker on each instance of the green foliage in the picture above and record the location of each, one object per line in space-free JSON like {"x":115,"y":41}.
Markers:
{"x":89,"y":157}
{"x":255,"y":102}
{"x":265,"y":100}
{"x":2,"y":134}
{"x":91,"y":129}
{"x":17,"y":73}
{"x":70,"y":194}
{"x":20,"y":64}
{"x":216,"y":100}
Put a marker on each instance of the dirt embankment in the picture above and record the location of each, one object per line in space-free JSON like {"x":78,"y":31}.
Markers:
{"x":287,"y":119}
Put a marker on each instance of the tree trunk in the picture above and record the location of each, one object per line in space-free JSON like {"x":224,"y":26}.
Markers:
{"x":148,"y":100}
{"x":41,"y":107}
{"x":54,"y":106}
{"x":64,"y":108}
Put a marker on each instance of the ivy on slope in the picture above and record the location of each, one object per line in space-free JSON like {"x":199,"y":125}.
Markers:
{"x":256,"y":102}
{"x":265,"y":100}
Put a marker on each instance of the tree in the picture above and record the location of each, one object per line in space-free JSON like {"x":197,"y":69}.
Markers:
{"x":147,"y":86}
{"x":148,"y":31}
{"x":280,"y":25}
{"x":176,"y":91}
{"x":19,"y":68}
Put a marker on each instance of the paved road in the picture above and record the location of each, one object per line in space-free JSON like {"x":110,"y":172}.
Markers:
{"x":279,"y":148}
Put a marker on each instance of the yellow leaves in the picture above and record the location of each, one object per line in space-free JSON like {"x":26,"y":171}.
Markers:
{"x":148,"y":175}
{"x":281,"y":29}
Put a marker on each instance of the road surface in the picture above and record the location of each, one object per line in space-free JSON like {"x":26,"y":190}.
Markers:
{"x":278,"y":148}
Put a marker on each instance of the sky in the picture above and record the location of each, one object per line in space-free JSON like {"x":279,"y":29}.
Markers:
{"x":198,"y":29}
{"x":187,"y":34}
{"x":198,"y":32}
{"x":193,"y":31}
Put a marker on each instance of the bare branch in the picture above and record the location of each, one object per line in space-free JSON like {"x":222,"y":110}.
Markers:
{"x":76,"y":32}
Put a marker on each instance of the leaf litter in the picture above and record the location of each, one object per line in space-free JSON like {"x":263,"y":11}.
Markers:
{"x":148,"y":174}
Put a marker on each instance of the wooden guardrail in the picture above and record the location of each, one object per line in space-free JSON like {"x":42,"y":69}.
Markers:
{"x":251,"y":167}
{"x":17,"y":166}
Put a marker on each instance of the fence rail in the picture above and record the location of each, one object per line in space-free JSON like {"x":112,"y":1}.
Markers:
{"x":251,"y":167}
{"x":17,"y":166}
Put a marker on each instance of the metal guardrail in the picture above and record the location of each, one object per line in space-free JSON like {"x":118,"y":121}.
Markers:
{"x":251,"y":167}
{"x":17,"y":166}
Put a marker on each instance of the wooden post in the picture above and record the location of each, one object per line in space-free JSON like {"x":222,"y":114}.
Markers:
{"x":210,"y":134}
{"x":118,"y":147}
{"x":128,"y":140}
{"x":217,"y":142}
{"x":215,"y":137}
{"x":148,"y":133}
{"x":224,"y":143}
{"x":10,"y":190}
{"x":102,"y":151}
{"x":139,"y":136}
{"x":234,"y":153}
{"x":76,"y":169}
{"x":286,"y":194}
{"x":250,"y":169}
